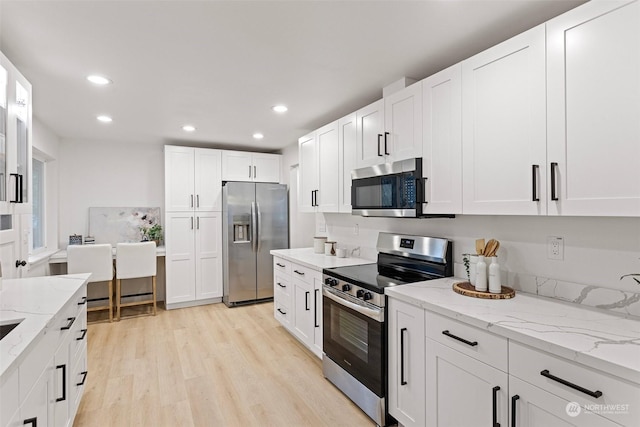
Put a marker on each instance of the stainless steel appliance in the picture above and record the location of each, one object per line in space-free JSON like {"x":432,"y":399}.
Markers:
{"x":390,"y":190}
{"x":255,"y":220}
{"x":354,"y":319}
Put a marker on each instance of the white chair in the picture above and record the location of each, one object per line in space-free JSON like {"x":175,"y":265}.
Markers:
{"x":135,"y":260}
{"x":97,"y":260}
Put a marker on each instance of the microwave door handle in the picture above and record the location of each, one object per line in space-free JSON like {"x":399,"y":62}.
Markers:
{"x":421,"y":188}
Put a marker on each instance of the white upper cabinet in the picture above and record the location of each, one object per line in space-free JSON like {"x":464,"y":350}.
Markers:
{"x":593,"y":77}
{"x":328,"y":171}
{"x":369,"y":131}
{"x":347,"y":160}
{"x":442,"y":150}
{"x":308,"y":173}
{"x":503,"y":127}
{"x":247,"y":166}
{"x":192,"y":179}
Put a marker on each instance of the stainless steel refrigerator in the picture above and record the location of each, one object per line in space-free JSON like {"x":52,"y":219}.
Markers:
{"x":255,"y":220}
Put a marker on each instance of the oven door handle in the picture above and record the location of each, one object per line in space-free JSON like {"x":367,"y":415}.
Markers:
{"x":377,"y":315}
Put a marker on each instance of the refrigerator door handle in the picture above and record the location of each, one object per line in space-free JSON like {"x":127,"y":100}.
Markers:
{"x":254,"y":228}
{"x":259,"y":227}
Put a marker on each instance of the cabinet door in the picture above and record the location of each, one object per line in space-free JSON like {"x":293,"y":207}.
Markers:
{"x":19,"y":137}
{"x":403,"y":123}
{"x":531,"y":406}
{"x":5,"y":206}
{"x":503,"y":127}
{"x":442,"y":151}
{"x":460,"y":389}
{"x":593,"y":79}
{"x":308,"y":173}
{"x":266,"y":167}
{"x":317,"y":315}
{"x":369,"y":134}
{"x":179,"y":179}
{"x":328,"y":162}
{"x":237,"y":166}
{"x":406,"y":363}
{"x":61,"y":383}
{"x":347,"y":159}
{"x":303,"y":311}
{"x":35,"y":408}
{"x":208,"y":180}
{"x":180,"y":260}
{"x":208,"y":255}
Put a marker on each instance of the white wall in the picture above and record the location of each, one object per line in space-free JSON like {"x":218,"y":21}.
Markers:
{"x":106,"y":175}
{"x":597,"y":251}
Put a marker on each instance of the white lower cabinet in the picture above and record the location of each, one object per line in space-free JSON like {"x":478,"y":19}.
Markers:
{"x":406,"y":363}
{"x":298,"y":302}
{"x":34,"y":410}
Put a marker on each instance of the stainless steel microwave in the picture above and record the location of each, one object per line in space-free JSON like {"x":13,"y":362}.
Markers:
{"x":390,"y":190}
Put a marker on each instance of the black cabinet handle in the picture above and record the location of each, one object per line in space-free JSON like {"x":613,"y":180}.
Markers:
{"x":315,"y":308}
{"x":298,"y":272}
{"x":595,"y":394}
{"x":191,"y":201}
{"x":385,"y":143}
{"x":281,"y":285}
{"x":514,"y":399}
{"x":280,"y":265}
{"x":534,"y":183}
{"x":495,"y":406}
{"x":83,"y":301}
{"x":471,"y":343}
{"x":70,"y":321}
{"x":18,"y":198}
{"x":197,"y":200}
{"x":255,"y":173}
{"x":84,"y":334}
{"x":84,"y":378}
{"x":379,"y":153}
{"x":402,"y":380}
{"x":20,"y":263}
{"x":282,"y":312}
{"x":64,"y":383}
{"x":33,"y":421}
{"x":306,"y":301}
{"x":249,"y":171}
{"x":554,"y":196}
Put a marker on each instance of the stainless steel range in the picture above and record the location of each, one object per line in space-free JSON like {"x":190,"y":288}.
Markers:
{"x":354,"y":318}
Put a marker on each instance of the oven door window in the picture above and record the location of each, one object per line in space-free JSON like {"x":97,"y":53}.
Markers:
{"x":355,"y":342}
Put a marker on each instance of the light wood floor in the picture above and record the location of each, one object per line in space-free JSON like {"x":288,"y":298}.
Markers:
{"x":207,"y":366}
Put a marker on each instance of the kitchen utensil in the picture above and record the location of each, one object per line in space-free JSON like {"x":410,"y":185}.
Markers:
{"x":491,"y":248}
{"x":480,"y":246}
{"x":330,"y":248}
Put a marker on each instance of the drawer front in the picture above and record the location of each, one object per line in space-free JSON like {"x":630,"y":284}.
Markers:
{"x":281,"y":265}
{"x":282,"y":285}
{"x":78,"y":380}
{"x":66,"y":318}
{"x":622,"y":397}
{"x":79,"y":335}
{"x":474,"y":342}
{"x":281,"y":313}
{"x":304,"y":274}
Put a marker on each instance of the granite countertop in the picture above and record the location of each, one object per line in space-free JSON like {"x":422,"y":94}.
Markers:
{"x":592,"y":337}
{"x":36,"y":300}
{"x":308,"y":258}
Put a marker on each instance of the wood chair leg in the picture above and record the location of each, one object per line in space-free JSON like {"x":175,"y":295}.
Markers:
{"x":110,"y":300}
{"x":118,"y":298}
{"x":153,"y":282}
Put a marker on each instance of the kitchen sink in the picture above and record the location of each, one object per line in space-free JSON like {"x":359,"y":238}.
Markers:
{"x":6,"y":328}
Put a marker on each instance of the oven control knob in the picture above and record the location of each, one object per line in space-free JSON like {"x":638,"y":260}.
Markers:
{"x":327,"y":281}
{"x":346,"y":288}
{"x":367,"y":296}
{"x":360,"y":293}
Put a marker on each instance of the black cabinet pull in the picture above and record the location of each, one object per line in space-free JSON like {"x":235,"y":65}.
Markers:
{"x":20,"y":263}
{"x":70,"y":321}
{"x":84,"y":378}
{"x":255,"y":173}
{"x":281,"y":285}
{"x":64,"y":383}
{"x":197,"y":200}
{"x":18,"y":195}
{"x":514,"y":399}
{"x":249,"y":171}
{"x":280,"y":265}
{"x":191,"y":201}
{"x":306,"y":301}
{"x":534,"y":183}
{"x":83,"y":301}
{"x":298,"y":272}
{"x":471,"y":343}
{"x":595,"y":394}
{"x":379,"y":153}
{"x":33,"y":421}
{"x":385,"y":143}
{"x":315,"y":308}
{"x":554,"y":196}
{"x":495,"y":406}
{"x":282,"y":312}
{"x":402,"y":380}
{"x":84,"y":334}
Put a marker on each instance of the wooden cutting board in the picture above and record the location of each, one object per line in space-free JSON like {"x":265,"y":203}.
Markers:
{"x":467,"y":289}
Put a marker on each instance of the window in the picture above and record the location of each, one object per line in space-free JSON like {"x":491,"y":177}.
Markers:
{"x":38,"y":236}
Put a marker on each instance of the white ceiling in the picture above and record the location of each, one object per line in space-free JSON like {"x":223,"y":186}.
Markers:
{"x":221,"y":65}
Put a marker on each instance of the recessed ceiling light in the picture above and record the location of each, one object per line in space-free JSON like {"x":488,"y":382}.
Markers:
{"x":99,"y":80}
{"x":258,"y":135}
{"x":188,"y":128}
{"x":279,"y":108}
{"x":105,"y":119}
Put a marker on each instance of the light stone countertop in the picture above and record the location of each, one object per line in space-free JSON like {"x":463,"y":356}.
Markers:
{"x":591,"y":337}
{"x":36,"y":300}
{"x":308,"y":258}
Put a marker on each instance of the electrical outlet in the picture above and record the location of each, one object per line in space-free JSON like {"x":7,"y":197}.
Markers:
{"x":356,"y":230}
{"x":555,"y":248}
